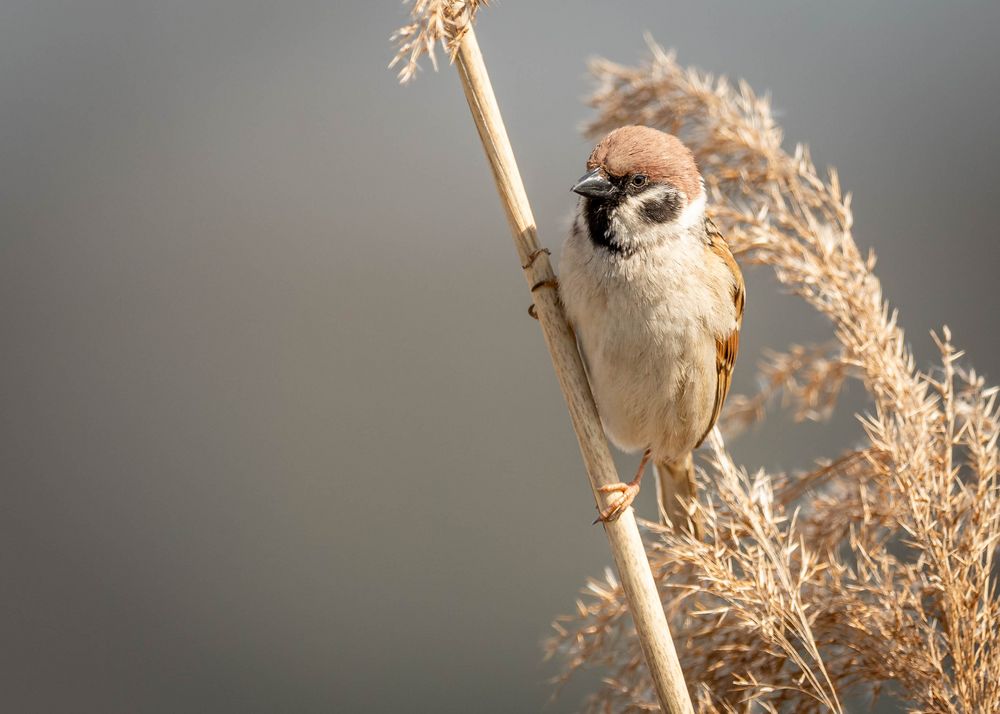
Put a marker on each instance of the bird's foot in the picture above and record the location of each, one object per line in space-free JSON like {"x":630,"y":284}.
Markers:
{"x":628,"y":493}
{"x":617,"y":507}
{"x":550,"y":283}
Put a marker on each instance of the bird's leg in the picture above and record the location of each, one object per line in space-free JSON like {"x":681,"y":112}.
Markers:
{"x":628,"y":493}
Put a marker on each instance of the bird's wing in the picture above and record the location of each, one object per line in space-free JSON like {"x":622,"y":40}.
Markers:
{"x":726,"y":346}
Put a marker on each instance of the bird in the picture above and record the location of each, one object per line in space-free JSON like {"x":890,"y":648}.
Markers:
{"x":656,"y":299}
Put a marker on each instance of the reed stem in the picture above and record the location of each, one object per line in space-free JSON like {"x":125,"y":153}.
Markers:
{"x":623,"y":534}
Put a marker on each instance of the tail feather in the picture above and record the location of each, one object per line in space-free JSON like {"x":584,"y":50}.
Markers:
{"x":675,"y":488}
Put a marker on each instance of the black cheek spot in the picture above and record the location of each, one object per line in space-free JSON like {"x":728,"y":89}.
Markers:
{"x":662,"y":209}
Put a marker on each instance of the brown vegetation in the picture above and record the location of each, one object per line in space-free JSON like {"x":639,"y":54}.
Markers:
{"x":876,"y":571}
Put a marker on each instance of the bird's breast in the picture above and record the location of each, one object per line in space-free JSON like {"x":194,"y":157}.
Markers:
{"x":646,"y":327}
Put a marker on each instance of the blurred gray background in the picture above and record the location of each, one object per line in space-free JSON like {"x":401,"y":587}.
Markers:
{"x":276,"y":433}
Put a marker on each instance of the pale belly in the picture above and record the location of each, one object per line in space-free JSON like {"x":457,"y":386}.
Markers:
{"x":647,"y":326}
{"x":653,"y":376}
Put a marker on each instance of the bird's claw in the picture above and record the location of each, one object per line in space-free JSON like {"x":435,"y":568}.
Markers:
{"x":617,"y":507}
{"x":547,"y":283}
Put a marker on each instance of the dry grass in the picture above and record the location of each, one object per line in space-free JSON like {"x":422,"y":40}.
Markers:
{"x":434,"y":21}
{"x":874,"y":572}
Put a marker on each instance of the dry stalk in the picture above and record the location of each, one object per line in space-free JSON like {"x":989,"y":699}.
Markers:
{"x":451,"y":22}
{"x":876,"y":571}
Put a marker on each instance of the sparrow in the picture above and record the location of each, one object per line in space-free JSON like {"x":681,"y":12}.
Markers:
{"x":656,"y":300}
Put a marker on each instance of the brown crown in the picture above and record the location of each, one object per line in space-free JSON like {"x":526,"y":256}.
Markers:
{"x":643,"y":150}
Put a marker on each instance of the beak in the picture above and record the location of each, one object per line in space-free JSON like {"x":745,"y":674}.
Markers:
{"x":594,"y":184}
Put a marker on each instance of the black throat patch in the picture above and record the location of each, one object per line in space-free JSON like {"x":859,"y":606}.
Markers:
{"x":598,"y":214}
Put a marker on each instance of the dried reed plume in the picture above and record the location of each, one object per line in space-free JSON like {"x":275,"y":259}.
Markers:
{"x":444,"y":21}
{"x":876,"y":571}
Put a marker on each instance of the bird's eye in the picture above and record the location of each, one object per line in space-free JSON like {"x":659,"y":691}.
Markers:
{"x":639,"y":180}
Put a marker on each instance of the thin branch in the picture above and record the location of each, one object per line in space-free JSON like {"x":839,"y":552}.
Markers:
{"x":623,"y":534}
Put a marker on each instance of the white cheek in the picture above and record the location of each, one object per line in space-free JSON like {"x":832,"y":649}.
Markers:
{"x":627,"y":216}
{"x":631,"y":227}
{"x":692,"y":213}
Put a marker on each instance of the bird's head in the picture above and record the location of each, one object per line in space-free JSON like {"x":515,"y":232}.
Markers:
{"x":641,"y":185}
